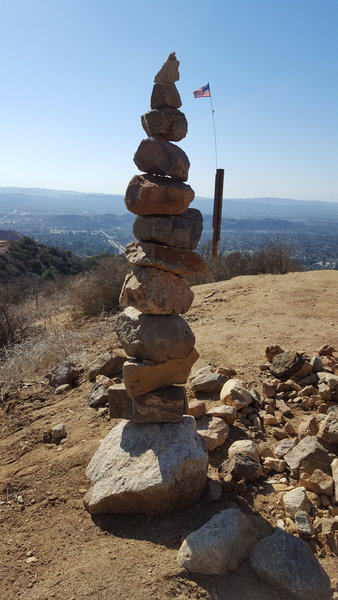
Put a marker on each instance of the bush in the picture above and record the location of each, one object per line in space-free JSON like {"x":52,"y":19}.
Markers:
{"x":275,"y":258}
{"x":98,"y":292}
{"x":12,"y":319}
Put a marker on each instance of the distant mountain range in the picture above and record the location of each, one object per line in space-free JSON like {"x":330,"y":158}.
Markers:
{"x":45,"y":201}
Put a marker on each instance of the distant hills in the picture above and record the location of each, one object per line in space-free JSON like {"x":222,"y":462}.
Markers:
{"x":45,"y":201}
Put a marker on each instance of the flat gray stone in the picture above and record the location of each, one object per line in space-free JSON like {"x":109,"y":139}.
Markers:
{"x":98,"y":396}
{"x":168,"y":123}
{"x":147,"y":468}
{"x":207,"y":380}
{"x":288,"y":563}
{"x":286,"y":363}
{"x":153,"y":337}
{"x":182,"y":262}
{"x":180,"y":231}
{"x":63,"y":373}
{"x":106,"y":364}
{"x":156,"y":156}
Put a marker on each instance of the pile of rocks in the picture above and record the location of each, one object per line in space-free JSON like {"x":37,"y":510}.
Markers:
{"x":157,"y":339}
{"x":225,"y":542}
{"x":297,"y":407}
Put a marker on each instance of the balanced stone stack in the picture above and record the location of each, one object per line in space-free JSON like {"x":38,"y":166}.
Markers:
{"x":155,"y":461}
{"x":156,"y":293}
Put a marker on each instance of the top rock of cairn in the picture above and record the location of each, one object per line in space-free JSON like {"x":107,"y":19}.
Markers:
{"x":169,"y":71}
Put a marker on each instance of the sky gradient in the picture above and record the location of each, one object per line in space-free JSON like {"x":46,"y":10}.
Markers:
{"x":76,"y":75}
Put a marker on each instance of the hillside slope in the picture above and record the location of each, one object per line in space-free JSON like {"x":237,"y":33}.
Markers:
{"x":134,"y":557}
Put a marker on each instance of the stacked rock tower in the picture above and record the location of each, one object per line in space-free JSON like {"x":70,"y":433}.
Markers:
{"x":155,"y":461}
{"x":156,"y":293}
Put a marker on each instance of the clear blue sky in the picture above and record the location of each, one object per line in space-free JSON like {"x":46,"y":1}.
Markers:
{"x":77,"y":74}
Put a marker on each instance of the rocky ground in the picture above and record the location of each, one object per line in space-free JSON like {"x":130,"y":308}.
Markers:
{"x":52,"y":548}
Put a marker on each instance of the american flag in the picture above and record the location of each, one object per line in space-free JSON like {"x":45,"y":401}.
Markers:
{"x":202,"y":92}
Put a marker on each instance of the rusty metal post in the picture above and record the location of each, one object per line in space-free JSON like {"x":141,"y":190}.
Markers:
{"x":217,"y":214}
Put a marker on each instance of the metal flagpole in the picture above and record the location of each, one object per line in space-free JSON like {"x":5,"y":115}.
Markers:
{"x":213,"y":122}
{"x":218,"y":195}
{"x":204,"y":92}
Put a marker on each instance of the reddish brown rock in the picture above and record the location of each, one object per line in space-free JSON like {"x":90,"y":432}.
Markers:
{"x":177,"y":260}
{"x":143,"y":377}
{"x":165,"y":95}
{"x":318,"y":482}
{"x":197,"y":409}
{"x":308,"y":426}
{"x":326,"y":350}
{"x":272,"y":351}
{"x":168,"y":123}
{"x":159,"y":157}
{"x":151,"y":195}
{"x":157,"y":292}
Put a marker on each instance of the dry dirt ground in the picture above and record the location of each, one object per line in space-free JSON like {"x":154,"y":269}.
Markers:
{"x":134,"y":557}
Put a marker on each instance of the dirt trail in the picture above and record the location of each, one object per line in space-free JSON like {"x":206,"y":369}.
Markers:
{"x":134,"y":557}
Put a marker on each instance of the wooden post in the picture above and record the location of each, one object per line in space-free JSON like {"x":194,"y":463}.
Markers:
{"x":217,"y":215}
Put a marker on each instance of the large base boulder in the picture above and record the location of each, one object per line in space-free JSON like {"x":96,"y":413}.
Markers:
{"x":153,"y":468}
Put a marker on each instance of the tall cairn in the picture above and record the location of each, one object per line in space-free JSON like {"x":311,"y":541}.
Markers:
{"x":159,"y":342}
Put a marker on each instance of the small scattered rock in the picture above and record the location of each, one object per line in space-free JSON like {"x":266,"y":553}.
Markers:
{"x":295,"y":500}
{"x":272,"y":351}
{"x":308,"y":426}
{"x":286,"y":363}
{"x":245,"y":447}
{"x":235,"y":394}
{"x":220,"y":546}
{"x":59,"y":432}
{"x":61,"y":389}
{"x":303,"y":523}
{"x":108,"y":364}
{"x":207,"y":380}
{"x":326,"y":350}
{"x":214,"y":431}
{"x":318,"y":482}
{"x":225,"y":412}
{"x":284,"y":446}
{"x":276,"y":464}
{"x":64,"y":373}
{"x":197,"y":409}
{"x":213,"y":490}
{"x":98,"y":396}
